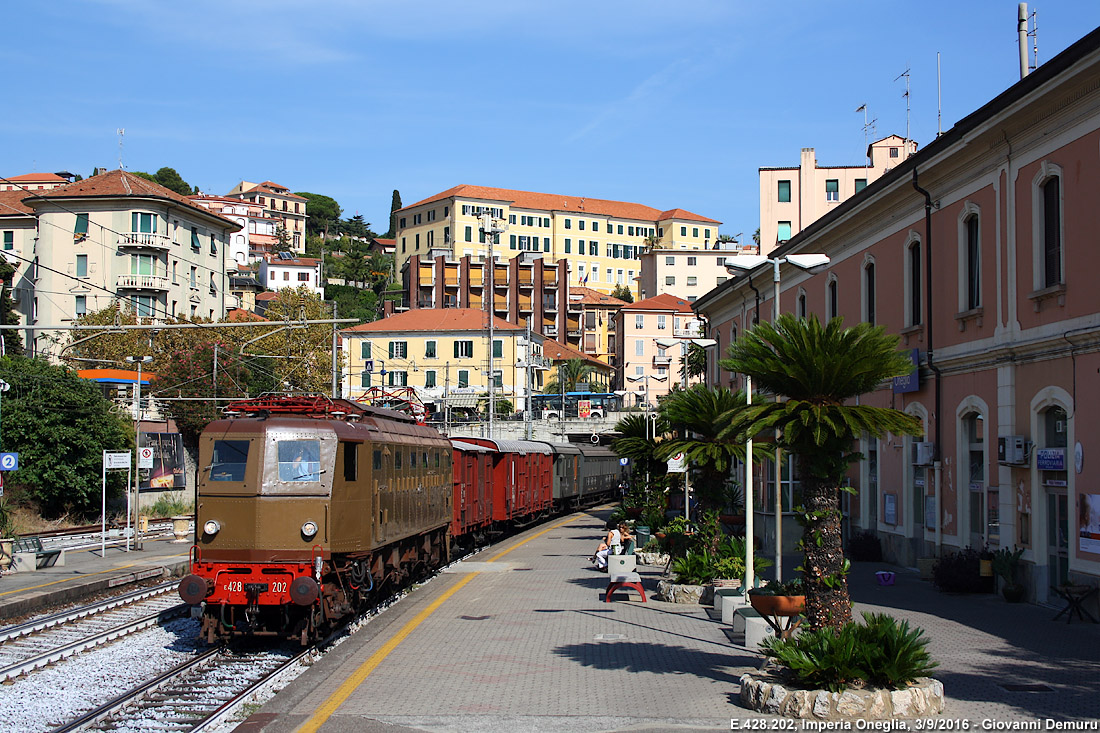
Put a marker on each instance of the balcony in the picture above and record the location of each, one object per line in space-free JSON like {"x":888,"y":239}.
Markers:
{"x":662,"y":360}
{"x":143,"y":282}
{"x":141,"y":240}
{"x":549,"y":304}
{"x":549,"y":330}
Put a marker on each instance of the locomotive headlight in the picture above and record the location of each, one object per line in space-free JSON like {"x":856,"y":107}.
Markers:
{"x":211,"y":527}
{"x":309,"y":529}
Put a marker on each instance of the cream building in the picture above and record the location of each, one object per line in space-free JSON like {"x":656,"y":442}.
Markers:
{"x":601,"y":240}
{"x":793,"y":198}
{"x":279,"y":203}
{"x":687,"y":275}
{"x":257,"y":235}
{"x":33,"y":182}
{"x":117,"y":236}
{"x":441,"y":353}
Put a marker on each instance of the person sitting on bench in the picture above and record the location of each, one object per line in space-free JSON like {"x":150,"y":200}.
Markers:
{"x":612,"y":545}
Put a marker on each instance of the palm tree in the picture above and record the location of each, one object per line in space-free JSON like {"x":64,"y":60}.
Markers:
{"x":700,"y":413}
{"x":818,"y":369}
{"x":639,"y":442}
{"x":570,"y":374}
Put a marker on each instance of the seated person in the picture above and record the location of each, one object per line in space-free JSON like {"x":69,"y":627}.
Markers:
{"x":612,"y":544}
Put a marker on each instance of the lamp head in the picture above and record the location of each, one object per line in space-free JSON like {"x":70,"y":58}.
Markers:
{"x":666,"y":342}
{"x":739,"y":264}
{"x":814,"y":263}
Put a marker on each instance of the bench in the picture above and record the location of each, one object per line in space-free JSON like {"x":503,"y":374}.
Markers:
{"x":25,"y":547}
{"x":753,"y":625}
{"x":619,"y":581}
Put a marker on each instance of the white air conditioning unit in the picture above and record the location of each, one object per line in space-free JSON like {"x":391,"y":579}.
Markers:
{"x":922,"y":454}
{"x":1011,"y":449}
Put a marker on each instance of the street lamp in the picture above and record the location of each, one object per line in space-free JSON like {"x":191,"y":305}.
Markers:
{"x":669,"y":342}
{"x":139,"y":360}
{"x":738,"y":265}
{"x":491,"y":228}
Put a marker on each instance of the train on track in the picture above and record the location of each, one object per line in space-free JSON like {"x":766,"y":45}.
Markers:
{"x":309,"y":507}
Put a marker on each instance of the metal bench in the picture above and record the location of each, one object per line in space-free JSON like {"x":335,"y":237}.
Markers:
{"x":624,"y":580}
{"x":43,"y":558}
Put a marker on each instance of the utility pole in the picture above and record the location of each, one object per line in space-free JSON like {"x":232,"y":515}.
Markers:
{"x":527,"y":385}
{"x":447,"y":398}
{"x":335,"y":381}
{"x":139,"y":360}
{"x":491,"y":228}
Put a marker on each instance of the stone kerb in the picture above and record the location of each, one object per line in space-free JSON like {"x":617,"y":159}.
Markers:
{"x":764,"y":692}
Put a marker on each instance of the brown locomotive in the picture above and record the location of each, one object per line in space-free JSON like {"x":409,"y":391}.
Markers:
{"x":305,"y":506}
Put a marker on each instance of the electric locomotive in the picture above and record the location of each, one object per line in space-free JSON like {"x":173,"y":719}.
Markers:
{"x":306,"y":505}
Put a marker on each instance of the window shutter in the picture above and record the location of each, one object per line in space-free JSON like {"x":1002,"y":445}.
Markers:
{"x":456,"y":349}
{"x":391,"y":349}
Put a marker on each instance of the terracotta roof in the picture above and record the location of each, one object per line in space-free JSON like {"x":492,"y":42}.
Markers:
{"x":275,"y":188}
{"x":123,"y":184}
{"x":38,"y":178}
{"x":551,"y":202}
{"x":269,"y":295}
{"x":561,"y":352}
{"x":435,"y":319}
{"x":390,"y":242}
{"x":592,"y":297}
{"x":10,"y":200}
{"x":683,"y":214}
{"x":663,"y":302}
{"x":240,"y":314}
{"x":274,"y":259}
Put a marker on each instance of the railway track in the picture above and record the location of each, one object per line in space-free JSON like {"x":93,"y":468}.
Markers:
{"x":48,"y":639}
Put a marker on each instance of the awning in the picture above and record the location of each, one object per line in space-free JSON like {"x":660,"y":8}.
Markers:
{"x":461,"y":400}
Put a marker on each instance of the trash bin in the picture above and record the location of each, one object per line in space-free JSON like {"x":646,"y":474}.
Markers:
{"x":641,"y":532}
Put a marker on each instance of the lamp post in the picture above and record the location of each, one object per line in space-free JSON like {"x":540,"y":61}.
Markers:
{"x":139,"y":360}
{"x":4,"y":387}
{"x":647,"y":377}
{"x":741,"y":264}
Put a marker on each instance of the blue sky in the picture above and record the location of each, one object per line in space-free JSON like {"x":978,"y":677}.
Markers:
{"x":664,"y":104}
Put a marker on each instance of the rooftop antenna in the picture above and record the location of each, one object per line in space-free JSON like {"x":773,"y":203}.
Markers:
{"x":1033,"y":34}
{"x":939,"y":98}
{"x":868,"y":131}
{"x":121,"y":133}
{"x":906,"y":95}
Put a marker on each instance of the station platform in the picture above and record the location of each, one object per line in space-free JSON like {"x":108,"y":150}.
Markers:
{"x":519,"y":637}
{"x":86,"y":572}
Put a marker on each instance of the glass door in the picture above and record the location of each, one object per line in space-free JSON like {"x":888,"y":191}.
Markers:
{"x":1058,"y":537}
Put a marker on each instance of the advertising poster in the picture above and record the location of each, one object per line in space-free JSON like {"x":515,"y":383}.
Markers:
{"x":1089,"y":522}
{"x":890,"y":509}
{"x":167,"y":472}
{"x":584,"y":408}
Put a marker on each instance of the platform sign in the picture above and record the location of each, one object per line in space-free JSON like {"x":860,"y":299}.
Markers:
{"x":116,"y":459}
{"x":9,"y":461}
{"x":676,"y":464}
{"x":368,"y":366}
{"x":624,"y":461}
{"x":145,"y":456}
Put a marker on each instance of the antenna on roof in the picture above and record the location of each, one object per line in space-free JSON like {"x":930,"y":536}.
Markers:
{"x":121,"y":133}
{"x":906,"y":95}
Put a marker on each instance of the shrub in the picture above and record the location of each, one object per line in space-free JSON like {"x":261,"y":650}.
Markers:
{"x":7,"y":524}
{"x":169,"y":506}
{"x":881,"y":652}
{"x":791,"y":587}
{"x":696,"y":567}
{"x":864,"y":546}
{"x":1006,"y":562}
{"x":958,"y":572}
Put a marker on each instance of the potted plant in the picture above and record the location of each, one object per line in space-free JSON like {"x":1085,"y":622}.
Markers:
{"x":1006,"y":564}
{"x":733,"y":500}
{"x":778,"y":598}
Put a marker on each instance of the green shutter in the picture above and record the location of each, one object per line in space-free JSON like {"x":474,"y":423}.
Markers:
{"x":9,"y":240}
{"x":456,"y":349}
{"x":391,"y":349}
{"x":81,"y":224}
{"x":512,"y":241}
{"x":498,"y":349}
{"x":364,"y":349}
{"x":832,"y":185}
{"x":784,"y":193}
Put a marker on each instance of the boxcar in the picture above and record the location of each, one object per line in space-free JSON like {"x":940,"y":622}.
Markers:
{"x":473,"y":488}
{"x":522,"y":478}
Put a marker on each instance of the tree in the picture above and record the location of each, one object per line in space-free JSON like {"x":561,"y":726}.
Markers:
{"x":570,"y":374}
{"x":324,"y":213}
{"x":395,"y":204}
{"x":639,"y":442}
{"x":353,"y":302}
{"x":60,"y":425}
{"x":356,"y":226}
{"x":301,"y":357}
{"x":818,"y":369}
{"x":282,"y":243}
{"x":622,"y":292}
{"x":170,"y":179}
{"x":695,"y":365}
{"x":756,"y":237}
{"x":13,"y":342}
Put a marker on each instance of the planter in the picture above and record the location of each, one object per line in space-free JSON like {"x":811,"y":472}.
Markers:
{"x":677,"y":593}
{"x":181,"y":528}
{"x":1014,"y":593}
{"x":766,"y":692}
{"x":767,"y":605}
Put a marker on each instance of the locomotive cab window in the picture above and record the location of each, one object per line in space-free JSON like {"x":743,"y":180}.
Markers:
{"x":229,"y":460}
{"x":299,"y":460}
{"x":397,"y":460}
{"x":377,"y":460}
{"x":351,"y":461}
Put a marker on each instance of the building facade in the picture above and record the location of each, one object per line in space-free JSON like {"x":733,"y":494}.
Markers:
{"x":600,"y":240}
{"x":442,"y":354}
{"x":117,"y":236}
{"x":258,"y":230}
{"x":793,"y":198}
{"x":651,"y":343}
{"x":279,"y":203}
{"x":687,"y":275}
{"x":279,"y":271}
{"x":977,"y":252}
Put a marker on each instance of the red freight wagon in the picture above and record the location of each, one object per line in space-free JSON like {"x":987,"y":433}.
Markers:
{"x":473,"y":488}
{"x":522,"y":477}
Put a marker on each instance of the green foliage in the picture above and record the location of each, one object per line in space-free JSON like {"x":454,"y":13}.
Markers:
{"x":170,"y":179}
{"x":323,"y":210}
{"x":395,"y":204}
{"x":60,"y":425}
{"x":169,"y":506}
{"x":568,"y":373}
{"x":639,"y":444}
{"x":189,"y":372}
{"x":622,"y":292}
{"x":696,"y":567}
{"x":881,"y":652}
{"x":695,"y":365}
{"x":356,"y":226}
{"x":791,"y":587}
{"x":7,"y":524}
{"x":353,"y":302}
{"x":958,"y":572}
{"x":1006,"y":563}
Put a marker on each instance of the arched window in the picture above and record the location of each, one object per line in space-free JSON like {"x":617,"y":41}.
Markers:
{"x":832,"y":304}
{"x":913,"y":282}
{"x":973,"y":264}
{"x":1047,"y":226}
{"x":869,"y":292}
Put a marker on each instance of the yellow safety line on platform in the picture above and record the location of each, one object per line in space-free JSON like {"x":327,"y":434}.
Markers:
{"x":348,"y":686}
{"x":82,"y":576}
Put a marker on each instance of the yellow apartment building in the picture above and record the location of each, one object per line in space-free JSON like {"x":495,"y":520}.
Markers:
{"x":441,"y":353}
{"x":600,"y":240}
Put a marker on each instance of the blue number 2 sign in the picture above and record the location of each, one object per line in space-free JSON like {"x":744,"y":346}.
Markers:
{"x":9,"y":461}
